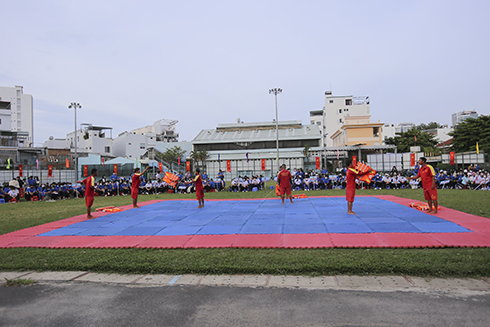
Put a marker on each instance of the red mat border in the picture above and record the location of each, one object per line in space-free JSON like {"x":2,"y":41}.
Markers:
{"x":479,"y":237}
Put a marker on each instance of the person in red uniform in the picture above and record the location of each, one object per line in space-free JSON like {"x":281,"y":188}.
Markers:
{"x":135,"y":184}
{"x":199,"y":188}
{"x":89,"y":183}
{"x":350,"y":186}
{"x":428,"y":176}
{"x":284,"y":181}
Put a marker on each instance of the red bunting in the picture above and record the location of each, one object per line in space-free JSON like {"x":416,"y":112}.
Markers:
{"x":160,"y":167}
{"x":451,"y":158}
{"x":85,"y":171}
{"x":228,"y":165}
{"x":317,"y":160}
{"x":412,"y":159}
{"x":103,"y":162}
{"x":263,"y":164}
{"x":67,"y":163}
{"x":188,"y":165}
{"x":354,"y":160}
{"x":115,"y":169}
{"x":50,"y":171}
{"x":20,"y":170}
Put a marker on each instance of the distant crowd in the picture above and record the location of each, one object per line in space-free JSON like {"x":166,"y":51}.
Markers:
{"x":470,"y":178}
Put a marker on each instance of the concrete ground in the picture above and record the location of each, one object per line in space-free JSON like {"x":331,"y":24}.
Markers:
{"x":91,"y":299}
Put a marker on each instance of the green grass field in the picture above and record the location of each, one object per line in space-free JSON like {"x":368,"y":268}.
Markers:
{"x":447,"y":262}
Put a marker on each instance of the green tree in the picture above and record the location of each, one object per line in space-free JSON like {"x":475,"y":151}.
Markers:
{"x":470,"y":131}
{"x":413,"y":137}
{"x":200,"y":156}
{"x":172,"y":154}
{"x":431,"y":125}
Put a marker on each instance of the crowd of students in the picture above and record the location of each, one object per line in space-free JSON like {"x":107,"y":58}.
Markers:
{"x":470,"y":178}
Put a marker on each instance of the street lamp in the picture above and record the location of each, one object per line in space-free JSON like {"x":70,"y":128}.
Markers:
{"x":75,"y":105}
{"x":276,"y":91}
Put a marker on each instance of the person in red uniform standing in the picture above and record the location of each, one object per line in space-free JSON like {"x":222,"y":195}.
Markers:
{"x":284,"y":181}
{"x":135,"y":184}
{"x":199,"y":188}
{"x":89,"y":183}
{"x":428,"y":176}
{"x":350,"y":186}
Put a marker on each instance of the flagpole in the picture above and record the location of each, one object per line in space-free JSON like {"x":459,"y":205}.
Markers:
{"x":276,"y":91}
{"x":75,"y":105}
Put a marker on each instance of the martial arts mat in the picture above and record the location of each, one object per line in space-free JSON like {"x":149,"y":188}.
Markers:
{"x":314,"y":222}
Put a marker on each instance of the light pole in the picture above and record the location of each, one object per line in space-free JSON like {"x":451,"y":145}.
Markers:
{"x":276,"y":91}
{"x":75,"y":105}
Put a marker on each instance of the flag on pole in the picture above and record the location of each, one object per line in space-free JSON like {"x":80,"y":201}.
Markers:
{"x":67,"y":163}
{"x":8,"y":163}
{"x":477,"y":149}
{"x":415,"y":138}
{"x":179,"y":161}
{"x":246,"y":155}
{"x":103,"y":162}
{"x":37,"y":164}
{"x":219,"y":161}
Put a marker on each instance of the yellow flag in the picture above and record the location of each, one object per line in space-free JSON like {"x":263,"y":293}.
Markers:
{"x":477,"y":149}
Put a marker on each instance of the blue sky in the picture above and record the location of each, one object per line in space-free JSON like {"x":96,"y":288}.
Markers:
{"x":204,"y":63}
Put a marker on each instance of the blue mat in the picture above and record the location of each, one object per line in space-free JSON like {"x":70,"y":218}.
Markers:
{"x":311,"y":215}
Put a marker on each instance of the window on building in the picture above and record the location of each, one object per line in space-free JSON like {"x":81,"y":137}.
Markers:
{"x":348,"y":102}
{"x":318,"y":123}
{"x":142,"y":145}
{"x":340,"y":120}
{"x":331,"y":101}
{"x":346,"y":109}
{"x":107,"y":149}
{"x":375,"y":131}
{"x":129,"y":143}
{"x":340,"y":111}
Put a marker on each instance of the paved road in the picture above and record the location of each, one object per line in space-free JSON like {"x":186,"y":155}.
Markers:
{"x":159,"y":300}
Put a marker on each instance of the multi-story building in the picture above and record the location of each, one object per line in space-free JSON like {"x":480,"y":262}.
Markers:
{"x":16,"y":116}
{"x":458,"y":117}
{"x":390,"y":130}
{"x":358,"y":130}
{"x":251,"y":148}
{"x":336,"y":109}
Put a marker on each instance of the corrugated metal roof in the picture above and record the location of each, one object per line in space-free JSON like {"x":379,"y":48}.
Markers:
{"x":213,"y":136}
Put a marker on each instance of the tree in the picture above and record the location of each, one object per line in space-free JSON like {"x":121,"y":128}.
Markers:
{"x":413,"y":137}
{"x":470,"y":131}
{"x":431,"y":125}
{"x":200,"y":156}
{"x":172,"y":154}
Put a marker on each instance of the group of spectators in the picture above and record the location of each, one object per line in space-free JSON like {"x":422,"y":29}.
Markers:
{"x":470,"y":178}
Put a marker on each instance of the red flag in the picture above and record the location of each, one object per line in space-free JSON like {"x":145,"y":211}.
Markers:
{"x":317,"y":159}
{"x":228,"y":165}
{"x":85,"y":171}
{"x":354,"y":160}
{"x":20,"y":170}
{"x":50,"y":171}
{"x":160,"y":167}
{"x":115,"y":169}
{"x":188,"y":165}
{"x":179,"y":161}
{"x":451,"y":158}
{"x":67,"y":164}
{"x":263,"y":164}
{"x":415,"y":138}
{"x":412,"y":159}
{"x":103,"y":162}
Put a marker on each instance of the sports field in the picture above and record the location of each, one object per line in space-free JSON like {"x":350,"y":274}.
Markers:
{"x":324,"y":260}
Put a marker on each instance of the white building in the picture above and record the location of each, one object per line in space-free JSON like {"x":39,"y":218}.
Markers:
{"x":132,"y":145}
{"x":336,"y":108}
{"x":390,"y":130}
{"x":16,"y":114}
{"x":458,"y":117}
{"x":164,"y":130}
